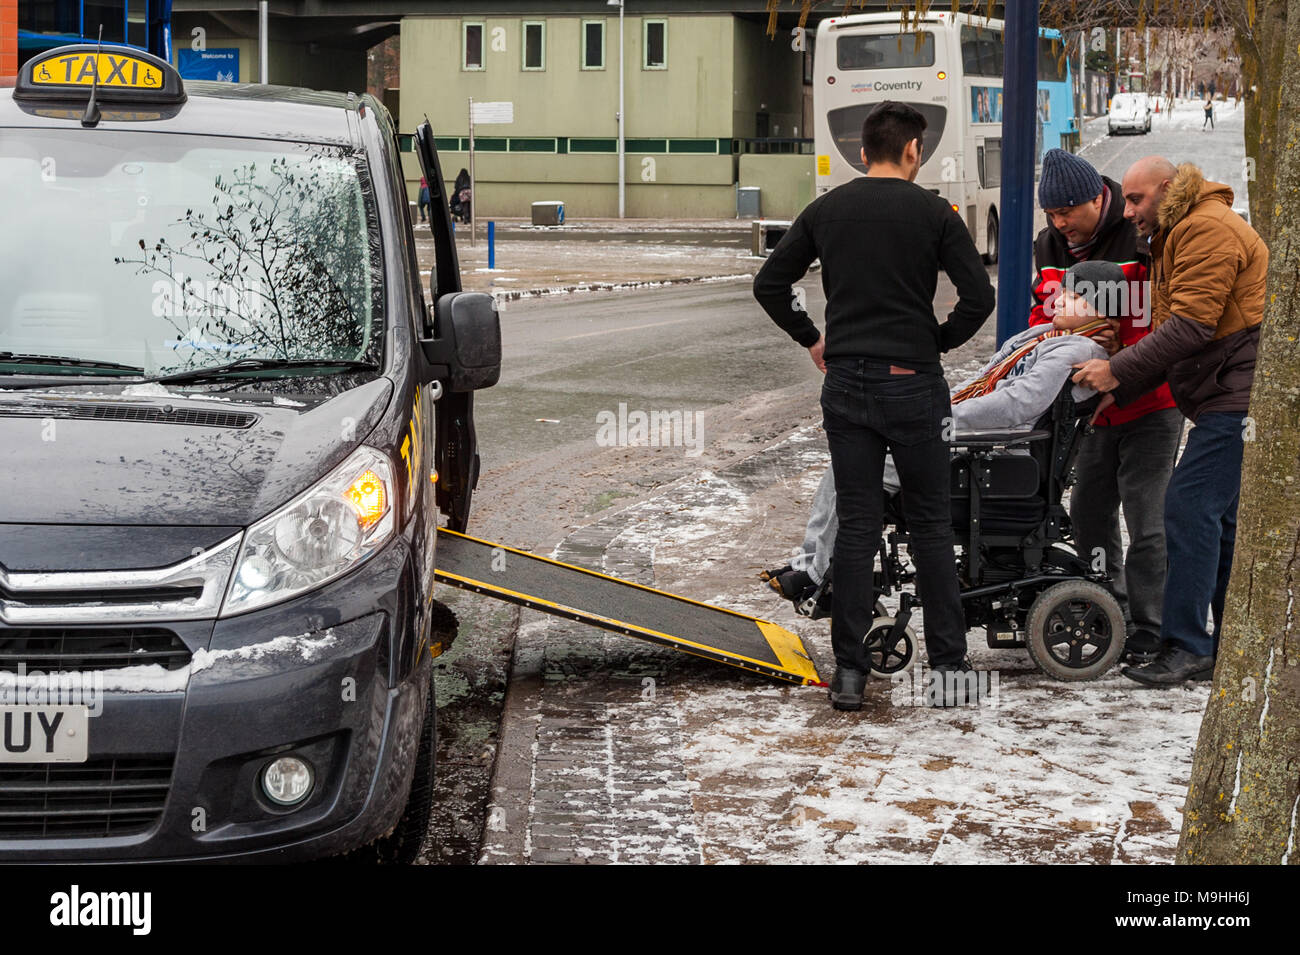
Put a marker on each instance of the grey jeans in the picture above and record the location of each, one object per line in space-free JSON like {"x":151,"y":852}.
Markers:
{"x":1128,"y":464}
{"x":819,"y":532}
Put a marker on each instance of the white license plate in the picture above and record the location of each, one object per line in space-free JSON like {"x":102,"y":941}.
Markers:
{"x":44,"y":734}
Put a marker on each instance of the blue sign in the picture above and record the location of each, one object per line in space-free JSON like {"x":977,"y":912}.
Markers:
{"x":220,"y":65}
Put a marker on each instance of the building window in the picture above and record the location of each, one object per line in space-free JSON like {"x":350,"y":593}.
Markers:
{"x":471,"y":46}
{"x":534,"y":45}
{"x":111,"y":15}
{"x":654,"y":37}
{"x":593,"y":44}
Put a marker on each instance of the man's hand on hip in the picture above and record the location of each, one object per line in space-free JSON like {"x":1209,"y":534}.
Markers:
{"x":815,"y":351}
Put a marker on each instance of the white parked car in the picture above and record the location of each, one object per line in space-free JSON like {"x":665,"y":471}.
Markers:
{"x":1129,"y":111}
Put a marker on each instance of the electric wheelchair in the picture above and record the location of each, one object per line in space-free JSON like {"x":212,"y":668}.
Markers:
{"x":1021,"y":579}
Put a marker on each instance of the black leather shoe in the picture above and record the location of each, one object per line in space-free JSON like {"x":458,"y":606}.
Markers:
{"x":846,"y":688}
{"x":793,"y":584}
{"x":1172,"y":666}
{"x":1141,"y":647}
{"x":949,"y":684}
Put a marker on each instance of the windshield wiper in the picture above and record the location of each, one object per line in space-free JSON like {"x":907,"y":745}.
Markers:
{"x":63,"y":361}
{"x":244,"y":365}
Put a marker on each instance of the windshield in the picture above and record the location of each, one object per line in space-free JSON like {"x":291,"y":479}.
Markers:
{"x":171,"y":253}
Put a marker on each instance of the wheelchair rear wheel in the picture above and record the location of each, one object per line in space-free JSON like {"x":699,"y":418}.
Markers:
{"x":887,"y":654}
{"x":1075,"y":630}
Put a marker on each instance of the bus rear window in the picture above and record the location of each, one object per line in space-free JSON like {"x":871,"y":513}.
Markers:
{"x":889,"y":51}
{"x":846,"y":130}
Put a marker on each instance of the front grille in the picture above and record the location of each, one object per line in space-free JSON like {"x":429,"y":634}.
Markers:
{"x":102,"y":797}
{"x":58,"y":650}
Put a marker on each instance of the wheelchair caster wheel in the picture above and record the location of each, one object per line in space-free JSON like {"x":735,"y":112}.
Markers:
{"x":1075,"y":630}
{"x":887,"y":654}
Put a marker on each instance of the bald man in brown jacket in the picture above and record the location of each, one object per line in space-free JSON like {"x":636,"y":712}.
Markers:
{"x":1208,"y":272}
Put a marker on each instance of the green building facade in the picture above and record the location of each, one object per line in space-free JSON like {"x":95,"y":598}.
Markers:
{"x":695,"y":87}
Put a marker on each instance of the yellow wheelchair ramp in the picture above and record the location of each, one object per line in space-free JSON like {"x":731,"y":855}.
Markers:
{"x":576,"y":593}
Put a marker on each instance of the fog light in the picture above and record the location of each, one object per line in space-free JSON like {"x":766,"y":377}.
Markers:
{"x":287,"y":781}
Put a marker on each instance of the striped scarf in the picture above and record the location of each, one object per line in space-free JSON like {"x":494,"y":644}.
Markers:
{"x":986,"y":382}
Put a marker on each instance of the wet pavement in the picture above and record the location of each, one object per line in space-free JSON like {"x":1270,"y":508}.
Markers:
{"x":562,"y":743}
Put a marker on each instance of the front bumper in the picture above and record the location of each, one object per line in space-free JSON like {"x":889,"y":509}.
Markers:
{"x":314,"y":677}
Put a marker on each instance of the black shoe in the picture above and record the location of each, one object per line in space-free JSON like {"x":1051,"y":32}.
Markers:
{"x":775,"y":572}
{"x":1172,"y":666}
{"x":793,"y":584}
{"x":947,"y":685}
{"x":846,"y":688}
{"x":1141,"y":647}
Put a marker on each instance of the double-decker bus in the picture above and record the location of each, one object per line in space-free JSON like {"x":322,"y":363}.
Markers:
{"x":46,"y":24}
{"x":949,"y":67}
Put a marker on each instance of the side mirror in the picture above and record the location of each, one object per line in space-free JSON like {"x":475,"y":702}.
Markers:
{"x":465,"y":352}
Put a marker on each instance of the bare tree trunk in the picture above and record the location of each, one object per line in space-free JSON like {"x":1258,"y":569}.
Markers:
{"x":1245,"y":787}
{"x":1262,"y":46}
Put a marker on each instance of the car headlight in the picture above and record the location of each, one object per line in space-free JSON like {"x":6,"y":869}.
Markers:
{"x":319,"y":535}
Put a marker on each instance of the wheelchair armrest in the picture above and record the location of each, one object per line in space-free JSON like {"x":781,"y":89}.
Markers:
{"x":997,"y":439}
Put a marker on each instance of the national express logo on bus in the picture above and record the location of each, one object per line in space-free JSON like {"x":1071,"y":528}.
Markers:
{"x":884,"y":86}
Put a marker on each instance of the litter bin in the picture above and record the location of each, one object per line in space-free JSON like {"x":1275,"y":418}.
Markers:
{"x":748,"y":202}
{"x":548,"y":212}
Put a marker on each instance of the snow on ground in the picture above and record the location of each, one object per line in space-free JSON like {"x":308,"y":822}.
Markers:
{"x":1084,"y":772}
{"x":715,"y":765}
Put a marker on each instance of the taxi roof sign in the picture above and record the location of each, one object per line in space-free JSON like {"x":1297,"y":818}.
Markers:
{"x":124,"y":74}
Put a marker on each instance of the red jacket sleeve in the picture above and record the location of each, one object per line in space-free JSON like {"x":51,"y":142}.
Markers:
{"x":1047,"y":287}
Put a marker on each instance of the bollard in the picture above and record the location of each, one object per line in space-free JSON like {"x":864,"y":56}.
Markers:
{"x":492,"y":245}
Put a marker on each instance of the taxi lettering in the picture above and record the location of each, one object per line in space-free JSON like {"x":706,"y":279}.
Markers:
{"x":81,"y":69}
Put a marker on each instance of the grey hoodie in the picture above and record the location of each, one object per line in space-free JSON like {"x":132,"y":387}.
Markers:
{"x":1031,"y":386}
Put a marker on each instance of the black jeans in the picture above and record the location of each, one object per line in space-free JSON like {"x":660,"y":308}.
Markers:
{"x":1128,"y":463}
{"x":868,"y":411}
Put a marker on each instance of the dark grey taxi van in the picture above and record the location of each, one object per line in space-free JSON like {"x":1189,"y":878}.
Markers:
{"x":229,"y":422}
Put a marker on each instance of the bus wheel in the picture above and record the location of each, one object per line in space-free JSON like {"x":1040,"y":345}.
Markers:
{"x":991,"y":239}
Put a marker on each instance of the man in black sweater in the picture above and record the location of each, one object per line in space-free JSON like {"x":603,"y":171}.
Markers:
{"x":881,"y":240}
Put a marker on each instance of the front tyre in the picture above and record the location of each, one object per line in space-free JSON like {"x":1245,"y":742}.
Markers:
{"x":991,"y":239}
{"x":402,"y":846}
{"x":886,"y":653}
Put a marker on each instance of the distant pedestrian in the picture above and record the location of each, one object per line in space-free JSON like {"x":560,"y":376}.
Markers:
{"x":461,"y":195}
{"x":1208,"y":106}
{"x":424,"y":198}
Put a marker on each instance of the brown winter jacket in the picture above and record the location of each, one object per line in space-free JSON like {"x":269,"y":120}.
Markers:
{"x":1208,"y":270}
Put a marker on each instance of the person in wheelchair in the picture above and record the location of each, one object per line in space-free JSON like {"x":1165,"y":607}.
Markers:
{"x":1015,"y":388}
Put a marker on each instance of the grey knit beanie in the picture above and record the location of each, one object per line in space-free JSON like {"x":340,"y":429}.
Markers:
{"x":1066,"y":180}
{"x":1102,"y":284}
